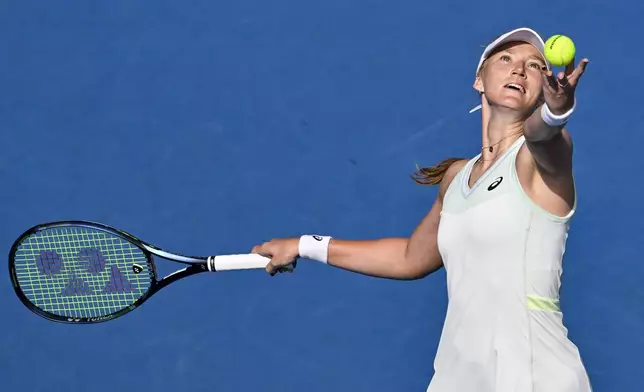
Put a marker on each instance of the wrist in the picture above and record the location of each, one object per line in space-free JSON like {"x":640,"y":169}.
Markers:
{"x":555,"y":120}
{"x":314,"y":247}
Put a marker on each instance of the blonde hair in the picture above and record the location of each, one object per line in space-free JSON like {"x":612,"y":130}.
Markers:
{"x":433,"y":175}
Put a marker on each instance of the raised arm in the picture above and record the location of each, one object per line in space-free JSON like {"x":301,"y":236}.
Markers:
{"x":549,"y":143}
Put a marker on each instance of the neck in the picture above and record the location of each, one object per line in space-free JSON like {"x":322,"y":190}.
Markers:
{"x":501,"y":128}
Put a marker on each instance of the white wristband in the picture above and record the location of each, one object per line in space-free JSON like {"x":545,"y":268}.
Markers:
{"x":556,"y":120}
{"x":314,"y":247}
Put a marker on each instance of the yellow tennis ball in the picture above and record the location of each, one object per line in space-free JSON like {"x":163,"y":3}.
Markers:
{"x":559,"y":50}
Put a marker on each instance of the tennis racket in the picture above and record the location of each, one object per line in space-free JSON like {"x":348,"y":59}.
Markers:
{"x":86,"y":272}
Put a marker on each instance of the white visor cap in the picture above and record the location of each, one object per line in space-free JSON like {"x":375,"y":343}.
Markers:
{"x":522,"y":34}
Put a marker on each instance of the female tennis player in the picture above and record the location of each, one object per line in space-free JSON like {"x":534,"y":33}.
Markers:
{"x":499,"y":226}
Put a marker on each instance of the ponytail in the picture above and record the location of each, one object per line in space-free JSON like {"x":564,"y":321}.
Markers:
{"x":433,"y":175}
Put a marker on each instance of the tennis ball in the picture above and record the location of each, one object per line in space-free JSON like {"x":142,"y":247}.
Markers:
{"x":559,"y":50}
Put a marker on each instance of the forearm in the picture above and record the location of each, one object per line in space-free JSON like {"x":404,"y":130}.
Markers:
{"x":537,"y":130}
{"x":546,"y":124}
{"x":383,"y":258}
{"x":394,"y":258}
{"x":549,"y":143}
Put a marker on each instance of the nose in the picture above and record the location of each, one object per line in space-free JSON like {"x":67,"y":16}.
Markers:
{"x":519,"y":69}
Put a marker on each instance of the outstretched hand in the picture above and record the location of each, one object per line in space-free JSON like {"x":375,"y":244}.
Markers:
{"x":282,"y":252}
{"x":559,"y":91}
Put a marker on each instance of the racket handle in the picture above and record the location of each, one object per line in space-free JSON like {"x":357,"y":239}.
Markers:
{"x":237,"y":262}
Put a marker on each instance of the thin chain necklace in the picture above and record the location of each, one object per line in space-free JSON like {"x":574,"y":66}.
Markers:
{"x":491,"y":146}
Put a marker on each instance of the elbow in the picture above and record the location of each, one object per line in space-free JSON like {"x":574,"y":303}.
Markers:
{"x":418,"y":263}
{"x":418,"y":270}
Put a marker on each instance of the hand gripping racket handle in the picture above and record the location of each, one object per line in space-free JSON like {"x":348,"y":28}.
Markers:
{"x":237,"y":262}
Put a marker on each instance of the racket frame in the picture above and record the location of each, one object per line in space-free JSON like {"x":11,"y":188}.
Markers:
{"x":194,"y":265}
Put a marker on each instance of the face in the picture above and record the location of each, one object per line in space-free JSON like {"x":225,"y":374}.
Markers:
{"x":511,"y":77}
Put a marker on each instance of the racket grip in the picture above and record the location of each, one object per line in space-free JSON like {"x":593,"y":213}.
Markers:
{"x":237,"y":262}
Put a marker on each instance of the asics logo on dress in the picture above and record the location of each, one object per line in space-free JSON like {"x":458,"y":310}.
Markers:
{"x":496,"y":183}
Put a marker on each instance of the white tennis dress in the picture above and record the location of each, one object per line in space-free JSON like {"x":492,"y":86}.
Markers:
{"x":503,"y":256}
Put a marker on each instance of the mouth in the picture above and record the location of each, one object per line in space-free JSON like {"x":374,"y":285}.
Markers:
{"x":515,"y":86}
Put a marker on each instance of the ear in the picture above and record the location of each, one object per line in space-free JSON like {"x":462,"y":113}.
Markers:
{"x":478,"y":85}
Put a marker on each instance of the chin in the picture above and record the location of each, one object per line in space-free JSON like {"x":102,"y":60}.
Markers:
{"x":512,"y":103}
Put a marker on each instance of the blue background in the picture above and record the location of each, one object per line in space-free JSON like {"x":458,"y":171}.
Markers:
{"x":209,"y":126}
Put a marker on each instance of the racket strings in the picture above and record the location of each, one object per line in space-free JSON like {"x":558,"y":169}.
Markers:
{"x":81,"y":272}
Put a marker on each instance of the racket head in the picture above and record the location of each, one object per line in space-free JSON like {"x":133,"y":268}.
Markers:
{"x":81,"y":272}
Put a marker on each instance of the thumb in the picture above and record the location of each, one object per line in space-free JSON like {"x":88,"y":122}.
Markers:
{"x":262,"y":251}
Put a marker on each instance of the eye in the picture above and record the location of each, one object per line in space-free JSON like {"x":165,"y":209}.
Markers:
{"x":504,"y":57}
